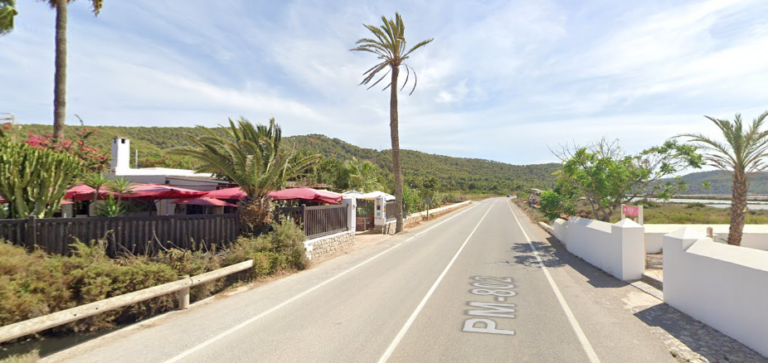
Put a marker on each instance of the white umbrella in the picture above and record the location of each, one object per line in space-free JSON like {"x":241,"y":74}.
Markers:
{"x":373,"y":195}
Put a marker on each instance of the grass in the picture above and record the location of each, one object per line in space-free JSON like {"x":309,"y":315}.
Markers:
{"x":30,"y":357}
{"x":662,"y":213}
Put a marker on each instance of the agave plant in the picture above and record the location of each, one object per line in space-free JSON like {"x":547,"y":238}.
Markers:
{"x":251,"y":157}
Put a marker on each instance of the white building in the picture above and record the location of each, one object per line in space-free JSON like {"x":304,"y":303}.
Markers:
{"x":189,"y":179}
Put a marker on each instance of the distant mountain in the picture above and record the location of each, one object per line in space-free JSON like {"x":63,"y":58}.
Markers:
{"x":721,"y":183}
{"x":153,"y":144}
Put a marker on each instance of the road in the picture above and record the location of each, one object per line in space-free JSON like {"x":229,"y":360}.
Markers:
{"x":478,"y":285}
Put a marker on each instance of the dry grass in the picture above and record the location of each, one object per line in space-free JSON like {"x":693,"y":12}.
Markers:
{"x":31,"y":357}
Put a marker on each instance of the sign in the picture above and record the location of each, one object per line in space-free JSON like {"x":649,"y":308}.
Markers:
{"x":427,"y":201}
{"x":630,"y":210}
{"x":532,"y":197}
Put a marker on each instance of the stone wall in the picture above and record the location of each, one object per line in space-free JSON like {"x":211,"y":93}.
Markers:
{"x":329,"y":244}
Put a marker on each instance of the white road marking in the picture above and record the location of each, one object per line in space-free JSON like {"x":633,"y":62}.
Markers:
{"x":284,"y":303}
{"x":412,"y":318}
{"x":571,"y":318}
{"x":501,"y":298}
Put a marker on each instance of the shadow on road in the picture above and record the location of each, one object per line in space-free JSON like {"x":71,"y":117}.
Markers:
{"x":554,"y":255}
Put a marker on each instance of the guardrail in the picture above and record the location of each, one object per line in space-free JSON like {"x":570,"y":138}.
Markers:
{"x":34,"y":325}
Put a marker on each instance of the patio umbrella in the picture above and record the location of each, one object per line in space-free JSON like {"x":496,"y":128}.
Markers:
{"x":82,"y":192}
{"x":205,"y":201}
{"x":228,"y":193}
{"x":373,"y":195}
{"x":308,"y":194}
{"x":161,"y":191}
{"x":2,"y":200}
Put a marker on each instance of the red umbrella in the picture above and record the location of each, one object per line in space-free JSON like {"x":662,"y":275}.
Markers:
{"x":161,"y":191}
{"x":205,"y":201}
{"x":309,"y":194}
{"x":3,"y":200}
{"x":83,"y":192}
{"x":229,"y":193}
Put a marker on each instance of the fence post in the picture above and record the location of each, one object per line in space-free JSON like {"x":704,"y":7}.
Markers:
{"x":183,"y":295}
{"x":710,"y":233}
{"x":304,"y":218}
{"x":31,"y":237}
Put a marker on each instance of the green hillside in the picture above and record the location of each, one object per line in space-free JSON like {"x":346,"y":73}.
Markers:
{"x":721,"y":183}
{"x":153,"y":144}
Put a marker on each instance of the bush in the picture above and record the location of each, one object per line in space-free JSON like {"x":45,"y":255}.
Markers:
{"x":695,"y":205}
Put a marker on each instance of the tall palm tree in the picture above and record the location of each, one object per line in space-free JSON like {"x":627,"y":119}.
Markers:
{"x":60,"y":77}
{"x":389,"y":47}
{"x":250,"y":156}
{"x":7,"y":14}
{"x":741,"y":155}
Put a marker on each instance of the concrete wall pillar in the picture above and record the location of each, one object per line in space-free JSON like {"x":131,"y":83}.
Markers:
{"x":351,"y":212}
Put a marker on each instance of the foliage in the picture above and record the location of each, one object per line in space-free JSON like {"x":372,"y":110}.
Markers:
{"x":93,"y":159}
{"x":30,"y":357}
{"x":607,"y":177}
{"x":34,"y":180}
{"x":553,"y":205}
{"x":112,"y":207}
{"x":362,"y":176}
{"x":411,"y":201}
{"x":455,"y":174}
{"x":250,"y":156}
{"x":33,"y":284}
{"x":742,"y":154}
{"x":7,"y":14}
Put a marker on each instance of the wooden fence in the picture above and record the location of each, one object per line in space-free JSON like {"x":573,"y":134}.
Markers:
{"x":317,"y":221}
{"x":136,"y":235}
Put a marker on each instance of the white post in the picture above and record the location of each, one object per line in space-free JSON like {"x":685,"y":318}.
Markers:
{"x":183,"y":295}
{"x":622,"y":212}
{"x":640,"y":215}
{"x":379,"y":213}
{"x":351,"y":213}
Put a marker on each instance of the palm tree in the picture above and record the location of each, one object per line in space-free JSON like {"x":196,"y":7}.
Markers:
{"x":362,"y":176}
{"x":741,"y":155}
{"x":7,"y":14}
{"x":60,"y":77}
{"x":251,"y":157}
{"x":389,"y":46}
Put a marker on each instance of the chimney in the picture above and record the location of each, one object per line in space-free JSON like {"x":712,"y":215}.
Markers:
{"x":121,"y":154}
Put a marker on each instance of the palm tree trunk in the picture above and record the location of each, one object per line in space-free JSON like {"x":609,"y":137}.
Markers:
{"x":396,"y":151}
{"x":738,"y":205}
{"x":60,"y":78}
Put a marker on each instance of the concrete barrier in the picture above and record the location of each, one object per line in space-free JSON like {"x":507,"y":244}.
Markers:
{"x":618,"y":249}
{"x":723,"y":286}
{"x":755,"y":235}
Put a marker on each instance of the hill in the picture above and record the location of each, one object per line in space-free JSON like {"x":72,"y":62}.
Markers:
{"x":721,"y":183}
{"x":454,"y":173}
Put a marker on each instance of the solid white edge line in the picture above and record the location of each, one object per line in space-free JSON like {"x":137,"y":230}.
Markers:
{"x":571,"y":318}
{"x":263,"y":314}
{"x":400,"y":335}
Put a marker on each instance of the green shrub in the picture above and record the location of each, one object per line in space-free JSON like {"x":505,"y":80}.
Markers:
{"x":261,"y":264}
{"x":695,"y":205}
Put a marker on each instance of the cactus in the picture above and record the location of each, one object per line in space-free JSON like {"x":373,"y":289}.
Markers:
{"x":33,"y":180}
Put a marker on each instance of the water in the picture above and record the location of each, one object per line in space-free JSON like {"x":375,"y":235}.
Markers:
{"x":716,"y":203}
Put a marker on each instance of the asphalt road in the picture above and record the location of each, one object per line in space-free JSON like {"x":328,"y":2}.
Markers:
{"x":467,"y":287}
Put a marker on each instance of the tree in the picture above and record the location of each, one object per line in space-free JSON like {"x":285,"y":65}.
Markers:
{"x":363,"y":176}
{"x":389,"y":46}
{"x":7,"y":14}
{"x":34,"y":180}
{"x":251,"y":157}
{"x":60,"y":77}
{"x":741,"y":155}
{"x":607,"y":177}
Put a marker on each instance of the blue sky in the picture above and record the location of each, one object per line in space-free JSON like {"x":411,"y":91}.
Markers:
{"x":503,"y":80}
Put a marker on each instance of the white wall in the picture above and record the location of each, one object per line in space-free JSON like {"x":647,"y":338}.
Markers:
{"x":755,"y":235}
{"x":726,"y":287}
{"x":618,"y":249}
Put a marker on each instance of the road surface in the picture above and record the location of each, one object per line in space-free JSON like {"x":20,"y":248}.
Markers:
{"x":478,"y":285}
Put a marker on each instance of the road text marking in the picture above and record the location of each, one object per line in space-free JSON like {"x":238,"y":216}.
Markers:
{"x":412,"y":318}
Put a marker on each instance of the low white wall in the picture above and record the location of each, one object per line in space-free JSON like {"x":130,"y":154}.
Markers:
{"x":755,"y":235}
{"x":328,"y":244}
{"x":559,"y":227}
{"x":723,"y":286}
{"x":618,"y":249}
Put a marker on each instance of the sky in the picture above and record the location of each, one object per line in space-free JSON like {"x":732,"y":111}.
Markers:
{"x":502,"y":80}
